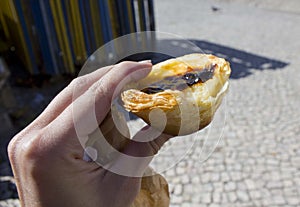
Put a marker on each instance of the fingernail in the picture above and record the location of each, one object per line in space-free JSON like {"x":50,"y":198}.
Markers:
{"x":90,"y":154}
{"x":146,"y":128}
{"x":145,"y":61}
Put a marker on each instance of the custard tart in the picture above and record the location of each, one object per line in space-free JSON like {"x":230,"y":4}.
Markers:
{"x":180,"y":95}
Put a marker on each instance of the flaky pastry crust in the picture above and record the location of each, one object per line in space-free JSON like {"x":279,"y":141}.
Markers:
{"x":180,"y":95}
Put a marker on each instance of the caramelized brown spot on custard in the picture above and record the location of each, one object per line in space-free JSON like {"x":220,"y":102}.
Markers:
{"x":202,"y":76}
{"x":182,"y":81}
{"x":152,"y":90}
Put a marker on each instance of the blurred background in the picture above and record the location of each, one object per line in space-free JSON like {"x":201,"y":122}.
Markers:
{"x":255,"y":161}
{"x":43,"y":46}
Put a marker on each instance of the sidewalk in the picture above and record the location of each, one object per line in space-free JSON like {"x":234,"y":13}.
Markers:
{"x":257,"y":161}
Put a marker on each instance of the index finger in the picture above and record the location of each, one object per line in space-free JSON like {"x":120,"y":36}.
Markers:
{"x":66,"y":96}
{"x":84,"y":115}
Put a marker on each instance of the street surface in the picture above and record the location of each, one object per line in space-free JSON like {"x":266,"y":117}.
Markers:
{"x":257,"y":161}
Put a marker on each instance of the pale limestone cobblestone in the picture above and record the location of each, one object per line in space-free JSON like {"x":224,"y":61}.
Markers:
{"x":10,"y":203}
{"x":254,"y":172}
{"x":257,"y":161}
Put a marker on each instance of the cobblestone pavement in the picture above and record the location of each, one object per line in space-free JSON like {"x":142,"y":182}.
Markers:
{"x":257,"y":161}
{"x":256,"y":148}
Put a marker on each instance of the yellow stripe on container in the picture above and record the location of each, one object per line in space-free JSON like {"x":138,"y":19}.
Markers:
{"x":66,"y":44}
{"x":58,"y":30}
{"x":130,"y":15}
{"x":78,"y":29}
{"x":96,"y":23}
{"x":74,"y":41}
{"x":15,"y":32}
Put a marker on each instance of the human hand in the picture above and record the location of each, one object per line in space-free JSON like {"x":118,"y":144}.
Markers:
{"x":47,"y":156}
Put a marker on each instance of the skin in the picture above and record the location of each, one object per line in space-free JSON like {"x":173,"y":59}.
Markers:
{"x":46,"y":156}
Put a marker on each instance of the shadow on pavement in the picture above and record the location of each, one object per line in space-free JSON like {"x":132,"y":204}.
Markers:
{"x":8,"y":190}
{"x":242,"y":63}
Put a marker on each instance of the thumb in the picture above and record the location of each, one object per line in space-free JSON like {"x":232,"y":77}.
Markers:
{"x":146,"y":143}
{"x":136,"y":156}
